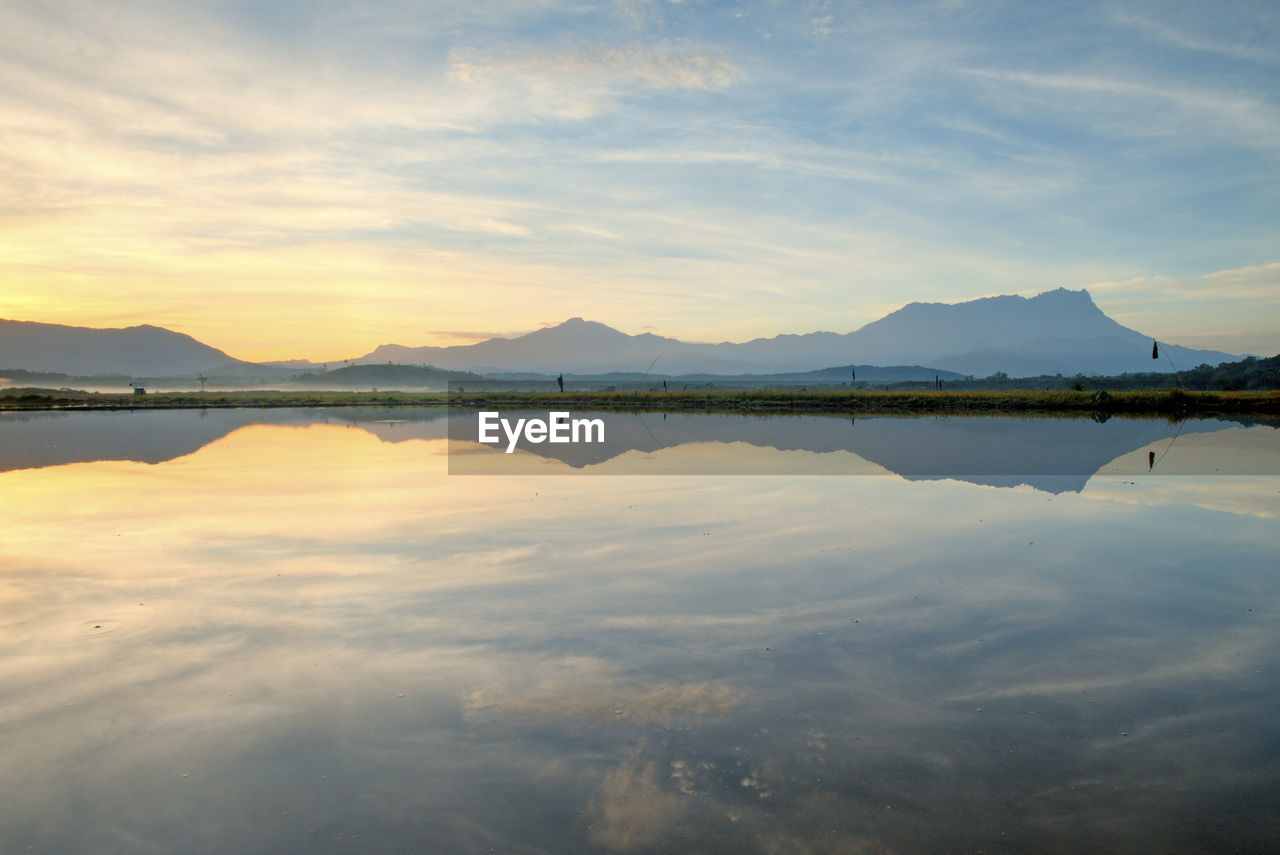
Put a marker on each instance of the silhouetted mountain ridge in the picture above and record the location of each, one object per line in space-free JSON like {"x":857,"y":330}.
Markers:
{"x":137,"y":350}
{"x":1057,"y":332}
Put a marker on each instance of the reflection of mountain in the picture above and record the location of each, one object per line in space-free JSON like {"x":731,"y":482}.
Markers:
{"x":1051,"y":454}
{"x":33,"y":440}
{"x":1054,"y":455}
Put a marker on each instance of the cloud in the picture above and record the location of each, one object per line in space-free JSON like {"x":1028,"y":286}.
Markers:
{"x":631,"y":161}
{"x":659,"y":68}
{"x":580,"y":84}
{"x":597,"y":697}
{"x":1255,"y":282}
{"x":1163,"y":29}
{"x":632,"y":809}
{"x":474,"y":336}
{"x":1137,"y":108}
{"x":1260,"y":342}
{"x":1200,"y":311}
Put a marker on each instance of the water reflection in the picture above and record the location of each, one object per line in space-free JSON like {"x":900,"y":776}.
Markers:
{"x":1052,"y":454}
{"x":301,"y":638}
{"x":1056,"y":454}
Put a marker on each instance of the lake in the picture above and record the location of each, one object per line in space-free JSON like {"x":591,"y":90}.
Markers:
{"x":324,"y":631}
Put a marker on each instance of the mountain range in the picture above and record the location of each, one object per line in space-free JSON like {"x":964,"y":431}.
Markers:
{"x":1057,"y":332}
{"x":140,"y":351}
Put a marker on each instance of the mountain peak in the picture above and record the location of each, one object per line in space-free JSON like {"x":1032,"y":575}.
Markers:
{"x":578,"y":324}
{"x":1079,"y":303}
{"x":1065,"y":294}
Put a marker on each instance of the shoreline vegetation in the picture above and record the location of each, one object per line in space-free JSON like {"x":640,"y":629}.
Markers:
{"x":1169,"y":402}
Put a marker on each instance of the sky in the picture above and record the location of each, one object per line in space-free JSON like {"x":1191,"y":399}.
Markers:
{"x":312,"y":178}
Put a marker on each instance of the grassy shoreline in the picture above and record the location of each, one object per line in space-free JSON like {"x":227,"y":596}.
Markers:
{"x":1154,"y":402}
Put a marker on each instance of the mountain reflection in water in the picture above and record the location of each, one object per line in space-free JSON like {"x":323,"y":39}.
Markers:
{"x":293,"y":632}
{"x":1051,"y":454}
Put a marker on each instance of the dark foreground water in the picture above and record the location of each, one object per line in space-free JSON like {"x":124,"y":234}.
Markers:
{"x":293,"y":631}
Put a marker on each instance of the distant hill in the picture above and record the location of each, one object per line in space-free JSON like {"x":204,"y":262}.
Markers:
{"x":1057,"y":332}
{"x":139,"y":351}
{"x":1250,"y":373}
{"x":386,"y":376}
{"x":584,"y":347}
{"x":870,"y":374}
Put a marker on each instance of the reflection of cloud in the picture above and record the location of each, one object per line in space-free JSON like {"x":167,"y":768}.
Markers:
{"x":237,"y":715}
{"x":351,"y":581}
{"x":692,"y":777}
{"x":633,"y":810}
{"x":587,"y":700}
{"x":1238,"y":496}
{"x":1218,"y":654}
{"x":788,"y":844}
{"x":751,"y":782}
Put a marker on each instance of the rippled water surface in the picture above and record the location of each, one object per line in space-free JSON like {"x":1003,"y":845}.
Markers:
{"x":294,"y":631}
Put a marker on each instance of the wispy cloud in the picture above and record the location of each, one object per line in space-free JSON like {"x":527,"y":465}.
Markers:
{"x":1201,"y":311}
{"x":473,"y":336}
{"x":1136,"y":108}
{"x":657,"y":67}
{"x":1253,"y":50}
{"x":1244,"y":283}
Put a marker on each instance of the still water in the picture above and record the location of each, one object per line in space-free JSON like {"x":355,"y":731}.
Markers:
{"x":295,"y":631}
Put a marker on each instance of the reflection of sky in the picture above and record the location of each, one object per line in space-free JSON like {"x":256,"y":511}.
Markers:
{"x":298,"y":635}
